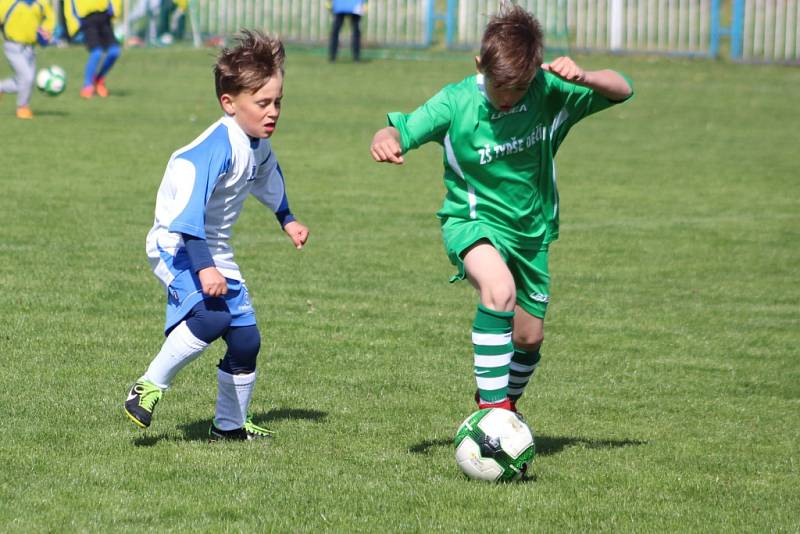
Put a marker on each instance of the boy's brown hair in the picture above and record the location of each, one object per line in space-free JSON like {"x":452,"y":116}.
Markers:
{"x":248,"y":65}
{"x":511,"y":47}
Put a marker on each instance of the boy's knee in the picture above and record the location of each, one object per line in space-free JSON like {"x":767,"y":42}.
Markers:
{"x":26,"y":77}
{"x":528,"y":341}
{"x":209,"y":319}
{"x":244,"y":344}
{"x":500,"y":297}
{"x":113,"y":52}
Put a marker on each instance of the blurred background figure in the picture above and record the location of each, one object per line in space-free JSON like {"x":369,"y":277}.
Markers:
{"x":149,"y":9}
{"x":341,"y":9}
{"x":164,"y":21}
{"x":93,"y":18}
{"x":24,"y":24}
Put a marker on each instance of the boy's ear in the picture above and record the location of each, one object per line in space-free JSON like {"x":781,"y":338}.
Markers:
{"x":478,"y":64}
{"x":226,"y":101}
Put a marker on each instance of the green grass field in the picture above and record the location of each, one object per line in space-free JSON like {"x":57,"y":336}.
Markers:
{"x":669,"y":395}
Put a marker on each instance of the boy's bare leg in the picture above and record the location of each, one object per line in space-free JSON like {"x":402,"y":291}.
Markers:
{"x":488,"y":273}
{"x":491,"y":329}
{"x":528,"y":331}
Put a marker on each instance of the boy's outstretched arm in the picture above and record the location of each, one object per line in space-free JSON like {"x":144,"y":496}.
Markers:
{"x":270,"y":190}
{"x":607,"y":82}
{"x":386,"y":146}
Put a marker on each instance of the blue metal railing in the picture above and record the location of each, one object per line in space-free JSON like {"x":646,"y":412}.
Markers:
{"x":735,"y":31}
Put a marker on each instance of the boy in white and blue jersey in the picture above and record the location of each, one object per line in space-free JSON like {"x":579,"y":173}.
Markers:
{"x":200,"y":198}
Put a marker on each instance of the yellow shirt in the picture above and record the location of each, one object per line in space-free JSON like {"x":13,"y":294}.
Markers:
{"x":21,"y":19}
{"x":75,"y":10}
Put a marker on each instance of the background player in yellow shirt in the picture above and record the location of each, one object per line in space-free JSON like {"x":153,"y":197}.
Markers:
{"x":93,"y":18}
{"x":24,"y":23}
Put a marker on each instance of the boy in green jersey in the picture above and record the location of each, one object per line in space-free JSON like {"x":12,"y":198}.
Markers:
{"x":500,"y":130}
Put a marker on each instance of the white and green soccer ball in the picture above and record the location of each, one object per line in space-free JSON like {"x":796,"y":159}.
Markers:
{"x":494,"y":444}
{"x":51,"y":80}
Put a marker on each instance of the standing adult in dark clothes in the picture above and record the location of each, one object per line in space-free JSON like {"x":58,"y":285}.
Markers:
{"x":341,"y":9}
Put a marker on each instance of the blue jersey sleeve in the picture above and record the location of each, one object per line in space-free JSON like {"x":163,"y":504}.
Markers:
{"x":199,"y":255}
{"x":194,"y":174}
{"x":270,"y":189}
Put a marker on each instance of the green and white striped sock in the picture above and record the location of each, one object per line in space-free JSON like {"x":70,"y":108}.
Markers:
{"x":491,"y":340}
{"x":523,"y":365}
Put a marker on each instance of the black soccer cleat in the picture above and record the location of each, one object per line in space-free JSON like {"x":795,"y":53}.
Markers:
{"x":248,"y":432}
{"x":141,"y":401}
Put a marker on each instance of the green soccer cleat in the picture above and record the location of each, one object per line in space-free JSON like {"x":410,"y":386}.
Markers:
{"x":141,"y":401}
{"x":250,"y":431}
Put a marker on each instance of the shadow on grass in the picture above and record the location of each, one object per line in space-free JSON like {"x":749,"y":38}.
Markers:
{"x":424,"y":447}
{"x":545,"y":445}
{"x":52,"y":113}
{"x":198,"y":430}
{"x":148,"y":440}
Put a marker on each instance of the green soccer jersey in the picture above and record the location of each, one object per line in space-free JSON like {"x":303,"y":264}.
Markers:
{"x":499,"y":165}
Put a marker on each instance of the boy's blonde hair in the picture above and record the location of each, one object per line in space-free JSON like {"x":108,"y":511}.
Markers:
{"x":511,"y":47}
{"x":248,"y":65}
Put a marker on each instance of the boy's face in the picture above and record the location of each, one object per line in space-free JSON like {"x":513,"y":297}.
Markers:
{"x":504,"y":98}
{"x":257,"y":113}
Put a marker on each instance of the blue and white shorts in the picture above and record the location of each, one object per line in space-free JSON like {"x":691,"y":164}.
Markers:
{"x":185,"y":292}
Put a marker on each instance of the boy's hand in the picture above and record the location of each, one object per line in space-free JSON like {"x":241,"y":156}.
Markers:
{"x":43,"y":37}
{"x":607,"y":82}
{"x":297,"y":232}
{"x":565,"y":68}
{"x":386,"y":146}
{"x":212,"y":282}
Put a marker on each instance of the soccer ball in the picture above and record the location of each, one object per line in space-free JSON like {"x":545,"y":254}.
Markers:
{"x":494,"y":444}
{"x":52,"y":80}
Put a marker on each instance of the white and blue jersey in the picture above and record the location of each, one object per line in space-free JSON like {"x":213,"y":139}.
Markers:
{"x":203,"y":192}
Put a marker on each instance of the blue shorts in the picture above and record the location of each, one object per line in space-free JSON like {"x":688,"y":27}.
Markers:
{"x":185,"y":292}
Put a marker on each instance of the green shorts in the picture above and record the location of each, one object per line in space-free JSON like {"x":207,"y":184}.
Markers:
{"x":528,"y":266}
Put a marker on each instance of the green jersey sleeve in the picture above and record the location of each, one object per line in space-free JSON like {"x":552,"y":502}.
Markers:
{"x":578,"y":102}
{"x":429,"y":122}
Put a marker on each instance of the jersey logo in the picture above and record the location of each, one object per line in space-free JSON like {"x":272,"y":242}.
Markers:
{"x":514,"y":145}
{"x":244,"y":304}
{"x":516,"y":109}
{"x":252,"y":173}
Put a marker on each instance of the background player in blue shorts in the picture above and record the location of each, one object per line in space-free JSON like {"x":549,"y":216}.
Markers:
{"x":93,"y":18}
{"x":200,"y":198}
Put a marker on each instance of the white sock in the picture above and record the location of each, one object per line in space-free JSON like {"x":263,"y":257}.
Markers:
{"x":180,"y":348}
{"x":233,"y":399}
